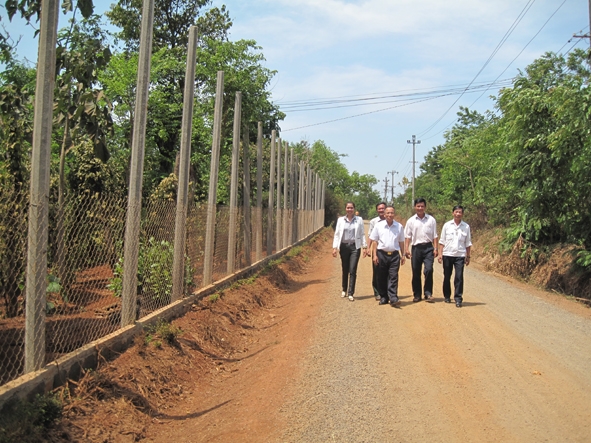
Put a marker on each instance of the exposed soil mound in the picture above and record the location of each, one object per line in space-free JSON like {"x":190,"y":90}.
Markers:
{"x":172,"y":361}
{"x":550,"y":268}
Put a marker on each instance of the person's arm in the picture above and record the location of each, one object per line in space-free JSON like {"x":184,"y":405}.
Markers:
{"x":407,"y":248}
{"x":435,"y":242}
{"x":369,"y":248}
{"x":374,"y":252}
{"x":338,"y":234}
{"x":402,"y":252}
{"x":363,"y":241}
{"x":468,"y":249}
{"x":440,"y":245}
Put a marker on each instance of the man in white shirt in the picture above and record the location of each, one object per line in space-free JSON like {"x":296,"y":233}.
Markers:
{"x":380,"y":208}
{"x":421,"y":232}
{"x":454,"y":251}
{"x":388,"y":254}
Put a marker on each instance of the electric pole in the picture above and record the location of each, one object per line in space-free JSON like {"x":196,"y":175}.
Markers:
{"x":392,"y":186}
{"x":386,"y":188}
{"x":587,"y":35}
{"x":414,"y":142}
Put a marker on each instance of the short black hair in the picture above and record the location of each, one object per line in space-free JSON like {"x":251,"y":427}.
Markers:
{"x":420,"y":200}
{"x":458,"y":207}
{"x":381,"y":203}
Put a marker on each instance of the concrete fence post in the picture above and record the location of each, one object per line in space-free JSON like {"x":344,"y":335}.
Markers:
{"x":285,"y":194}
{"x":234,"y":184}
{"x":38,"y":234}
{"x":180,"y":229}
{"x":259,"y":209}
{"x":270,"y":212}
{"x":246,"y":196}
{"x":213,"y":181}
{"x":278,"y":236}
{"x":129,"y":305}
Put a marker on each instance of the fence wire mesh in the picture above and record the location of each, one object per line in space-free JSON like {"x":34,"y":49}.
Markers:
{"x":14,"y":206}
{"x":85,"y":264}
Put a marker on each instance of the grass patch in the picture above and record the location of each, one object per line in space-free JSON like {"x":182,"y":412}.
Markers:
{"x":162,"y":332}
{"x":27,"y":421}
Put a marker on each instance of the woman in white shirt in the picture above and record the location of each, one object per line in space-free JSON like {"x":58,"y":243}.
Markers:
{"x":349,"y":238}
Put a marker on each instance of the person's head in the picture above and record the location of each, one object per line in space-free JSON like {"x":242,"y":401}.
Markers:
{"x":458,"y":212}
{"x":389,"y":214}
{"x":420,"y":205}
{"x":350,"y":209}
{"x":380,"y":208}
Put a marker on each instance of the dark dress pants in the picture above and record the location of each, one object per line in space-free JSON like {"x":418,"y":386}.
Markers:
{"x":388,"y":266}
{"x":349,"y":260}
{"x":450,"y":264}
{"x":422,"y":255}
{"x":374,"y":279}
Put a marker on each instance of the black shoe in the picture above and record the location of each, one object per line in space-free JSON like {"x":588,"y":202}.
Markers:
{"x":416,"y":299}
{"x":447,"y":300}
{"x":395,"y":303}
{"x":383,"y":301}
{"x":458,"y":304}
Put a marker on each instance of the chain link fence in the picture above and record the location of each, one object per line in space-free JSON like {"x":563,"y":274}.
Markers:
{"x":85,"y":264}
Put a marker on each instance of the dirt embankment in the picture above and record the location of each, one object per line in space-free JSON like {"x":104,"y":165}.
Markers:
{"x":550,"y":268}
{"x":158,"y":383}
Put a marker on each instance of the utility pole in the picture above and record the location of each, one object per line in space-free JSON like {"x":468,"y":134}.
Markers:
{"x":587,"y":35}
{"x":414,"y":142}
{"x":392,"y":186}
{"x":386,"y":188}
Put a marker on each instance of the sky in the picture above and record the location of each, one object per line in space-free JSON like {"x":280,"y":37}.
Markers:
{"x":395,"y":68}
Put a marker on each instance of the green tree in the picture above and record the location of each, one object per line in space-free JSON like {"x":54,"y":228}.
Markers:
{"x":17,"y":88}
{"x":546,"y":129}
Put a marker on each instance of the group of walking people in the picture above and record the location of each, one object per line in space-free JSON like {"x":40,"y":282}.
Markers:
{"x":389,"y":244}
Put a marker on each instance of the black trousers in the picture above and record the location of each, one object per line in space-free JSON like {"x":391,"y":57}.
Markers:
{"x":388,"y":266}
{"x":349,"y":260}
{"x":422,"y":255}
{"x":449,"y":265}
{"x":374,"y":279}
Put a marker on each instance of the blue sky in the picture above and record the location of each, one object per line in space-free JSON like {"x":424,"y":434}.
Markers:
{"x":327,"y":49}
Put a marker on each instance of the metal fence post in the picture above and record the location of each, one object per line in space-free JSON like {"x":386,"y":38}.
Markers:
{"x":134,"y":204}
{"x":234,"y":183}
{"x":36,"y":282}
{"x":180,"y":230}
{"x":259,"y":210}
{"x":270,"y":205}
{"x":213,"y":181}
{"x":246,"y":196}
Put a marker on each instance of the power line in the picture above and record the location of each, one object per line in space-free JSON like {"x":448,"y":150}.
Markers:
{"x":369,"y":112}
{"x":499,"y":45}
{"x":322,"y":104}
{"x":510,"y":63}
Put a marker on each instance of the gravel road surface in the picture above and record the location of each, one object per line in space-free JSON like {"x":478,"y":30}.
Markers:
{"x":510,"y":366}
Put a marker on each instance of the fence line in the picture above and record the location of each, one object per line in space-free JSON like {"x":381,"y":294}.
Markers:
{"x":98,"y":262}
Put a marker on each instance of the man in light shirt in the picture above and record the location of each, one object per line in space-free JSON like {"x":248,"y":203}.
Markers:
{"x":380,"y":208}
{"x":421,"y":232}
{"x":388,"y":254}
{"x":454,"y":251}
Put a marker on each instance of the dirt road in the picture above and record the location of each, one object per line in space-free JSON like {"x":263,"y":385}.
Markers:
{"x":508,"y":366}
{"x":512,"y":365}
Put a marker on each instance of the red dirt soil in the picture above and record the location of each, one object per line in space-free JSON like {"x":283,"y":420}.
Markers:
{"x":236,"y":349}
